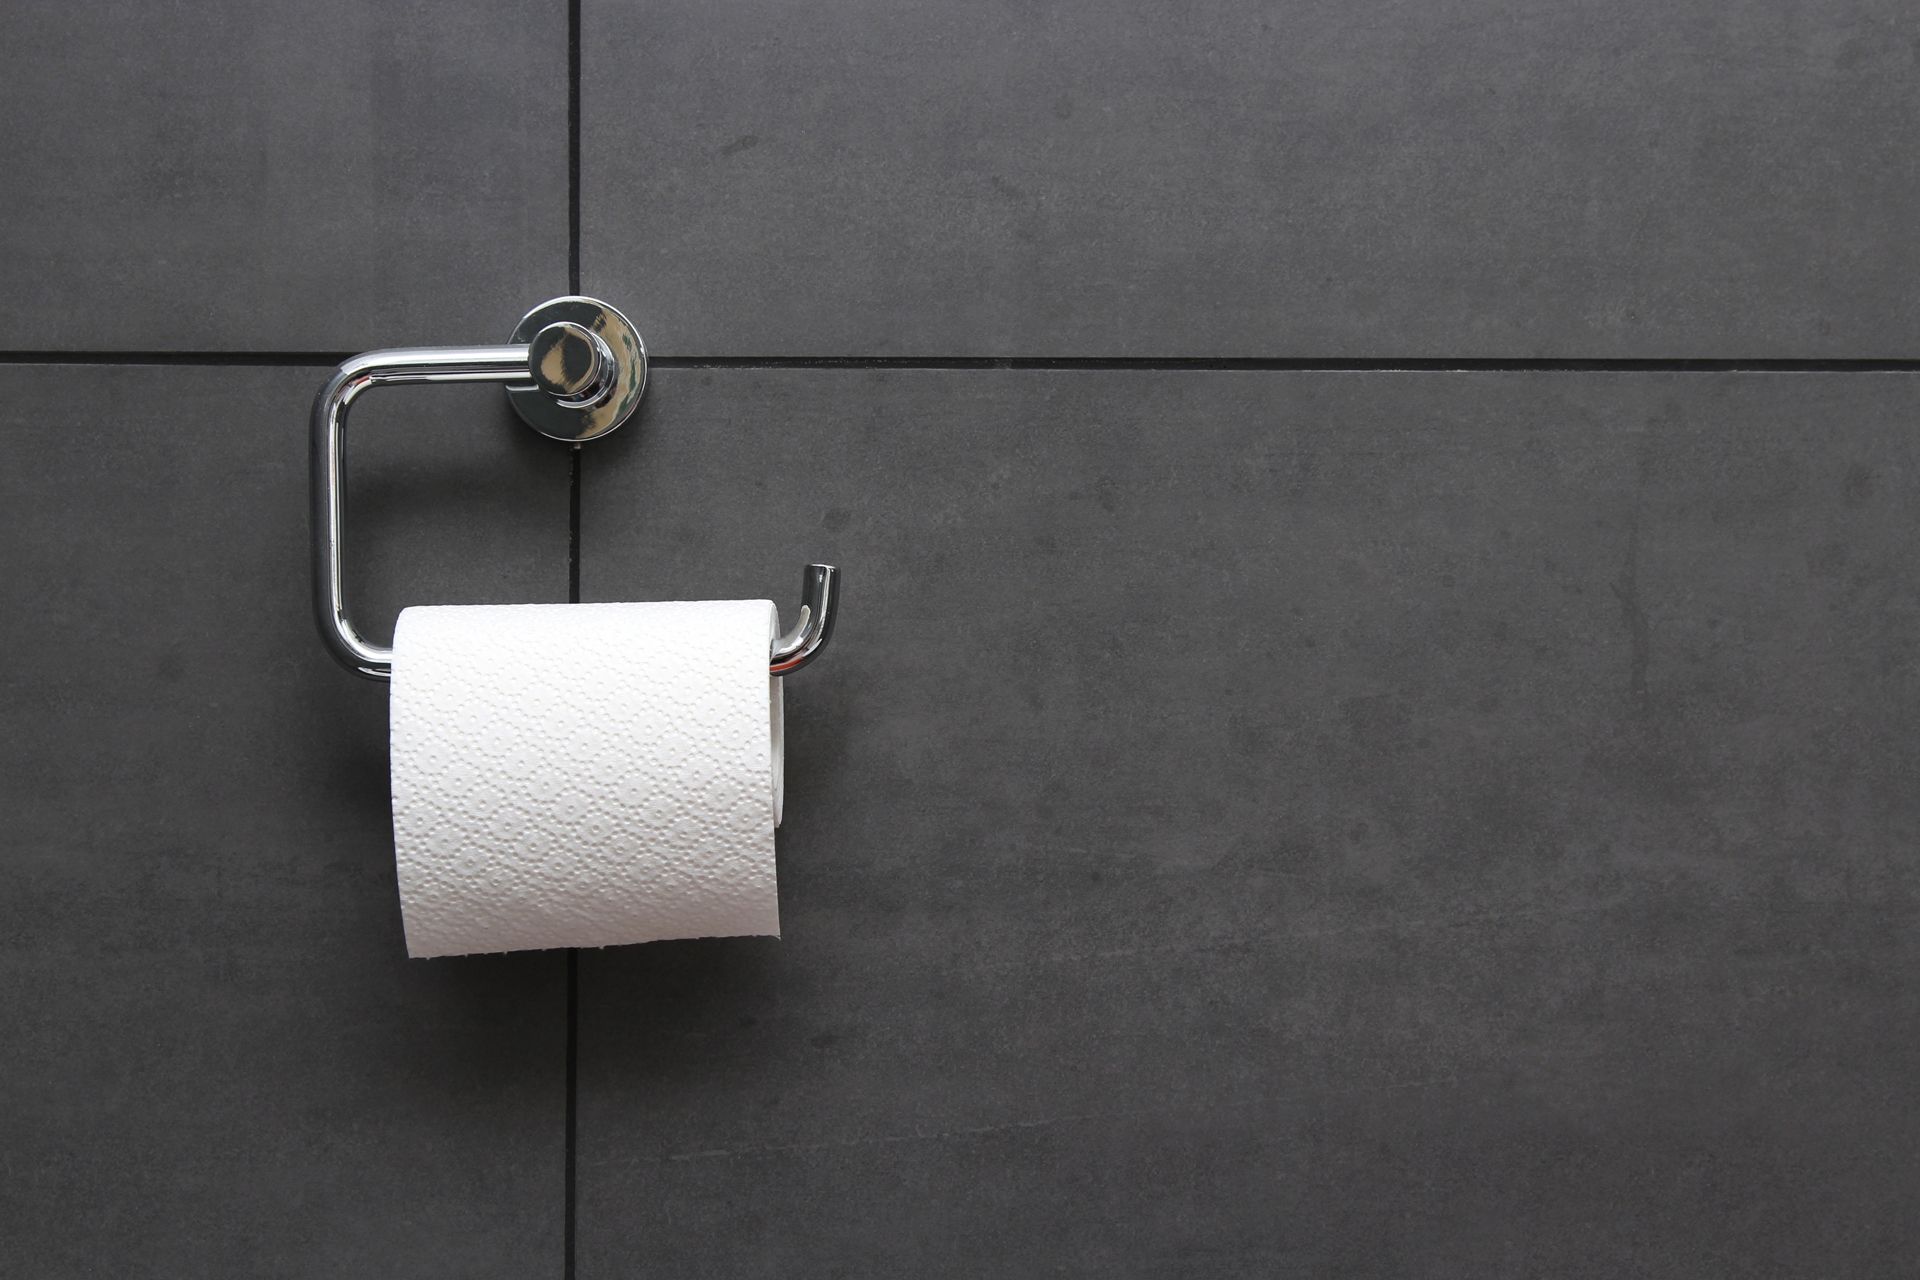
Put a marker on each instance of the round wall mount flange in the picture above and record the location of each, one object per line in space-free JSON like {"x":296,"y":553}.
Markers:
{"x":563,"y":401}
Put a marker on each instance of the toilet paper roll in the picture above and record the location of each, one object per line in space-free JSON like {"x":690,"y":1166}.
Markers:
{"x":583,"y":775}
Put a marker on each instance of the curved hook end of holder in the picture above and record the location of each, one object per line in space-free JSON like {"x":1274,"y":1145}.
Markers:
{"x":819,"y":603}
{"x":529,"y":390}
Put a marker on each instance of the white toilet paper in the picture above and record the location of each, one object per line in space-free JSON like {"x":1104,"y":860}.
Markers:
{"x":583,"y":775}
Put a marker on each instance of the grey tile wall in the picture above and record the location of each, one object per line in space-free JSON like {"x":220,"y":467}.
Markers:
{"x":1394,"y":178}
{"x":329,"y":176}
{"x":1248,"y":822}
{"x":1268,"y":822}
{"x":218,"y":1060}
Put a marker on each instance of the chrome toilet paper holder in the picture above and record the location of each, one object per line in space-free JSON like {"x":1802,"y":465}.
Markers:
{"x":574,"y":370}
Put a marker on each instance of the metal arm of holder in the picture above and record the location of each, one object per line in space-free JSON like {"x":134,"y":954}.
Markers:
{"x":574,"y":371}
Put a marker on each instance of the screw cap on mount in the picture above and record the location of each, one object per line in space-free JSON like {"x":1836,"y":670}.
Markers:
{"x":589,"y":369}
{"x":571,"y":363}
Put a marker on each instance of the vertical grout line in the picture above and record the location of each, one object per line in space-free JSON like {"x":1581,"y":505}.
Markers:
{"x":573,"y":528}
{"x":570,"y":1194}
{"x":573,"y":1112}
{"x":573,"y":146}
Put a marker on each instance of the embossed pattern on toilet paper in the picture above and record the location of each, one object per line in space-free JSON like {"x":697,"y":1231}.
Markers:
{"x":584,"y":775}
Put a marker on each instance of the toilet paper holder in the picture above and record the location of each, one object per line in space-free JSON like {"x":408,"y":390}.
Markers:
{"x":574,"y":370}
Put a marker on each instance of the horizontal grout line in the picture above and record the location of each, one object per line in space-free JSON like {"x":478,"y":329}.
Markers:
{"x":1296,"y":364}
{"x":1224,"y":364}
{"x":210,"y":359}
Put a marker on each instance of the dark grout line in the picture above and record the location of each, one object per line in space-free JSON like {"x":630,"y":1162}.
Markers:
{"x":1122,"y":364}
{"x":570,"y":1193}
{"x":573,"y":146}
{"x":573,"y":529}
{"x":1294,"y":364}
{"x":211,"y":359}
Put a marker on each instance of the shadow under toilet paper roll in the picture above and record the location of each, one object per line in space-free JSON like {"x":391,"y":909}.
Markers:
{"x":585,"y":775}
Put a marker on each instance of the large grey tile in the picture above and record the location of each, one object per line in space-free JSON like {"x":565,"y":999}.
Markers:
{"x":218,"y":1060}
{"x":1343,"y":823}
{"x":1390,"y":178}
{"x":327,"y":176}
